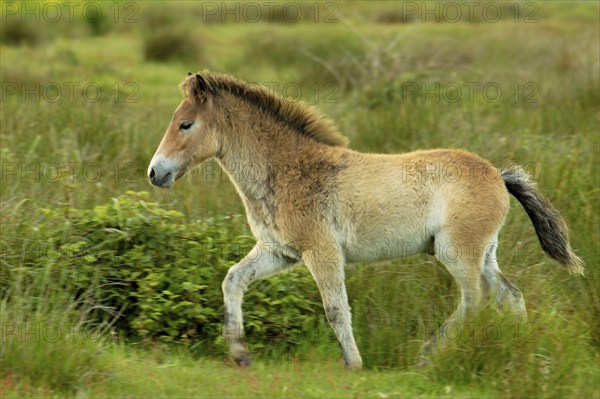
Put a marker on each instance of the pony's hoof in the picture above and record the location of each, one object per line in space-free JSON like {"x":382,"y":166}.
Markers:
{"x":422,"y":362}
{"x":243,"y":362}
{"x":240,"y":354}
{"x":353,"y":367}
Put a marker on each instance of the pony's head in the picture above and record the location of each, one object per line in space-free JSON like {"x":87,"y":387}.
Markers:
{"x":190,"y":137}
{"x":220,"y":113}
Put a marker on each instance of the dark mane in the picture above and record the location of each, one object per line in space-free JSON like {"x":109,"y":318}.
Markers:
{"x":298,"y":116}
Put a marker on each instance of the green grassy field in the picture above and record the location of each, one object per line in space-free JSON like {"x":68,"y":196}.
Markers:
{"x":132,"y":376}
{"x":85,"y":104}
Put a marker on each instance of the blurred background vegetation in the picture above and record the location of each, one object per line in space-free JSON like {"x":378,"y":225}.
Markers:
{"x":88,"y":89}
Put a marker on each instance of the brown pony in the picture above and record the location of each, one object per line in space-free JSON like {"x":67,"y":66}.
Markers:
{"x":312,"y":200}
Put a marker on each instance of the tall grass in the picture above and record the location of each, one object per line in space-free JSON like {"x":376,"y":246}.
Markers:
{"x":47,"y":340}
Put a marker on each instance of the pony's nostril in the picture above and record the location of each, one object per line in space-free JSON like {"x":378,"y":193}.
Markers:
{"x":152,"y":173}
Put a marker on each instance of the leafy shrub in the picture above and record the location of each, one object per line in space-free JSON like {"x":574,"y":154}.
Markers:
{"x":166,"y":33}
{"x":289,"y":13}
{"x":97,"y":20}
{"x":170,"y":43}
{"x":15,"y":31}
{"x":442,"y":14}
{"x":393,"y":16}
{"x":159,"y":276}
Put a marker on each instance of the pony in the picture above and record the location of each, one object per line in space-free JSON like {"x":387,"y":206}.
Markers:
{"x":309,"y":199}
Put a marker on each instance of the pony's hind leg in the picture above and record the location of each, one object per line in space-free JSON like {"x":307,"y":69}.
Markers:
{"x":506,"y":295}
{"x":464,"y":261}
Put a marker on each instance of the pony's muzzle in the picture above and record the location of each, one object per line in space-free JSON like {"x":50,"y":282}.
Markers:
{"x":165,"y":182}
{"x":162,"y":172}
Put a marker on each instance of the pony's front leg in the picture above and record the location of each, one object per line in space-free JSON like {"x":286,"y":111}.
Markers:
{"x":326,"y":264}
{"x":260,"y":262}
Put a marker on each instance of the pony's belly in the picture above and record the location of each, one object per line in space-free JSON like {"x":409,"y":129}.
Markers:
{"x":383,"y":248}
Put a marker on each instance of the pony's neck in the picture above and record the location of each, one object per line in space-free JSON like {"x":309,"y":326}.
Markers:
{"x":247,"y":171}
{"x":251,"y":155}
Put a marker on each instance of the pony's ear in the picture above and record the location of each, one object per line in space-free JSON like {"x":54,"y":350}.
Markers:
{"x":198,"y":87}
{"x":201,"y":85}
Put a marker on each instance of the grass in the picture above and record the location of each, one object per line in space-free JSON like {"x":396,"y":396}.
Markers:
{"x":373,"y":69}
{"x":135,"y":374}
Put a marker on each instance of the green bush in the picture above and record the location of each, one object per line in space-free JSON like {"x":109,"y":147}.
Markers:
{"x":393,"y":16}
{"x":171,"y":43}
{"x":97,"y":20}
{"x":159,"y":277}
{"x":14,"y":31}
{"x":285,"y":13}
{"x":441,"y":13}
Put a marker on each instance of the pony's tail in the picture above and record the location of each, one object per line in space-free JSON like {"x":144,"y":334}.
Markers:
{"x":550,"y":227}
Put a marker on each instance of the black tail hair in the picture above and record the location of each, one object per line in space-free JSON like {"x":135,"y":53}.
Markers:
{"x":549,"y":225}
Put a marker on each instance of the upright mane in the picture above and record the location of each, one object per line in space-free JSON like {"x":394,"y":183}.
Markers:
{"x":298,"y":116}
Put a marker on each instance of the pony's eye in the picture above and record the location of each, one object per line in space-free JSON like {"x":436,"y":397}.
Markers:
{"x":185,"y":125}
